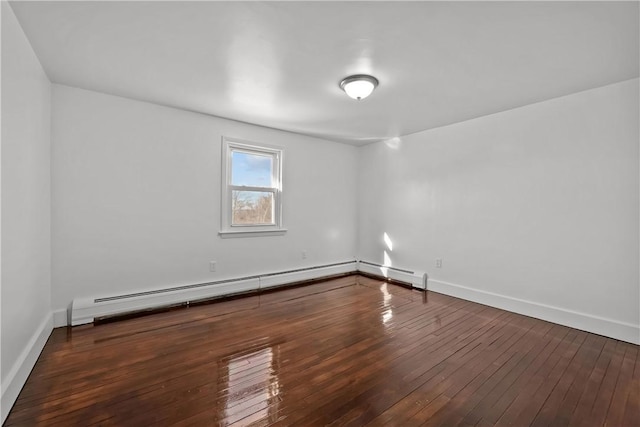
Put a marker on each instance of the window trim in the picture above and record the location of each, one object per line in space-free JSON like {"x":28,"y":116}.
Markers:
{"x":227,"y":229}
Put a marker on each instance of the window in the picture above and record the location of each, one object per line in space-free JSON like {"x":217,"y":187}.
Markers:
{"x":252,"y":189}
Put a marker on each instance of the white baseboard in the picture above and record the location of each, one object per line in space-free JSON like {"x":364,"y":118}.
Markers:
{"x":586,"y":322}
{"x":60,"y":318}
{"x":598,"y":325}
{"x":85,"y":310}
{"x":21,"y":369}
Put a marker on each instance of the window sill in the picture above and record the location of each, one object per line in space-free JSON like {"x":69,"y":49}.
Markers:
{"x":227,"y":234}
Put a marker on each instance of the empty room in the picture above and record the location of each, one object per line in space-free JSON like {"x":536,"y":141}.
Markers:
{"x":320,"y":213}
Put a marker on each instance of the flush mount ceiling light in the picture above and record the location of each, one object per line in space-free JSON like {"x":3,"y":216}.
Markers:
{"x":359,"y":86}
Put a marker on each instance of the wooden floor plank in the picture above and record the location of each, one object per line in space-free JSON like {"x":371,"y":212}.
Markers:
{"x":430,"y":369}
{"x":350,"y":351}
{"x":623,"y":389}
{"x":590,"y":391}
{"x":582,"y":360}
{"x":633,"y":401}
{"x":527,"y":405}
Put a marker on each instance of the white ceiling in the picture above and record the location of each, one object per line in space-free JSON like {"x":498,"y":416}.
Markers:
{"x":278,"y":64}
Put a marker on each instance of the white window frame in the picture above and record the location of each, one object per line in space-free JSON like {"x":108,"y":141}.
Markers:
{"x":227,"y":229}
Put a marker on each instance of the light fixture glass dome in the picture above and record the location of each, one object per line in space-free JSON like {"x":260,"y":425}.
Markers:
{"x":359,"y":86}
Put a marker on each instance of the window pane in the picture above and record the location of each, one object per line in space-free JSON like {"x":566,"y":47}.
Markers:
{"x":252,"y":170}
{"x":251,"y":207}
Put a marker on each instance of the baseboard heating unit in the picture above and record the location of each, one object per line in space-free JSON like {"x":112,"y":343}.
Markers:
{"x":85,"y":310}
{"x":393,"y":273}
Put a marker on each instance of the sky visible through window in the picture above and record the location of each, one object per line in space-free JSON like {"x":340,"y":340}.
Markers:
{"x":251,"y":169}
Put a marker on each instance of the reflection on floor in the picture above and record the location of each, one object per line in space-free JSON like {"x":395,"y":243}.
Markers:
{"x":249,"y":385}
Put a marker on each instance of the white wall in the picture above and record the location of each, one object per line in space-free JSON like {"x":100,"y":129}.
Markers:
{"x":136,"y":198}
{"x":26,"y":248}
{"x":538,"y":203}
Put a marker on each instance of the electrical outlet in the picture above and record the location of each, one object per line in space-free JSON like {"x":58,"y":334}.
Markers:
{"x":438,"y":262}
{"x":212,"y":266}
{"x":304,"y":254}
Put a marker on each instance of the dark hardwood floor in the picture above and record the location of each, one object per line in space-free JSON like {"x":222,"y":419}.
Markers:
{"x":350,"y":351}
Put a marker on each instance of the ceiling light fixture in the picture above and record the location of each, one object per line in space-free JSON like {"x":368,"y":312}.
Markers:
{"x":359,"y":86}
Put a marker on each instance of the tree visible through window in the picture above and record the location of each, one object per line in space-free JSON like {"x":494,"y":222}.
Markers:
{"x":252,"y":186}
